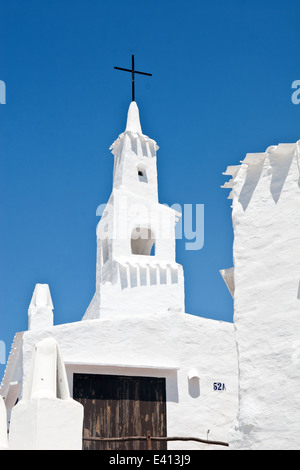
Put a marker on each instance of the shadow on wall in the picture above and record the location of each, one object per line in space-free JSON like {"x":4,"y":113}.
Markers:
{"x":280,"y":168}
{"x":194,"y":387}
{"x":280,"y":159}
{"x":172,"y":391}
{"x":254,"y":171}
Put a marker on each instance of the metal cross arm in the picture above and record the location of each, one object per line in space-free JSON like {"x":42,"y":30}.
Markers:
{"x":133,"y":71}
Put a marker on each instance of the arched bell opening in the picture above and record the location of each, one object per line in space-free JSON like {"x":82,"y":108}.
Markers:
{"x":142,"y":241}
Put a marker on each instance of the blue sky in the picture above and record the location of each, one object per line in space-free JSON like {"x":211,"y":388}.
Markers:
{"x":221,"y":87}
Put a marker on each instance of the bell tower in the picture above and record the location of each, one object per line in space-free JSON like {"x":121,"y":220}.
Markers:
{"x":136,"y":270}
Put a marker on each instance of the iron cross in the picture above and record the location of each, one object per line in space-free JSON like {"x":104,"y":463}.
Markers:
{"x":132,"y":74}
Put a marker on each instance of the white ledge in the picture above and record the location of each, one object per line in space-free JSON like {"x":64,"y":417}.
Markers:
{"x":127,"y":366}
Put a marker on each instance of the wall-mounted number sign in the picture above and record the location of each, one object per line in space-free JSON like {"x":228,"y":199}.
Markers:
{"x":219,"y":386}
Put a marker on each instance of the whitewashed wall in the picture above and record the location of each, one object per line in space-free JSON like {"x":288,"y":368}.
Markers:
{"x":266,"y":222}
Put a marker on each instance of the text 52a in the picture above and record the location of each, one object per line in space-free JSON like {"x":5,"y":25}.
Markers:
{"x":219,"y":386}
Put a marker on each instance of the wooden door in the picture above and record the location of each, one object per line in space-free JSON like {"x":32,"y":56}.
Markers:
{"x":121,"y":406}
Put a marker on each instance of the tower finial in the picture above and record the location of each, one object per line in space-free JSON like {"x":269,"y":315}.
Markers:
{"x":133,"y":119}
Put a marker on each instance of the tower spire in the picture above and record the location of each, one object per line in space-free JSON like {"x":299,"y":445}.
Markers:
{"x":133,"y":119}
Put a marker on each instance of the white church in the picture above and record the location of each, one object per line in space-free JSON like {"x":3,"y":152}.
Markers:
{"x":138,"y":372}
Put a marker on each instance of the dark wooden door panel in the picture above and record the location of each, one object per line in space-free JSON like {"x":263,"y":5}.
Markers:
{"x":121,"y":406}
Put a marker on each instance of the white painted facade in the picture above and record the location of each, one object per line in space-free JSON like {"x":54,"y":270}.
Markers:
{"x":136,"y":323}
{"x":265,"y":281}
{"x":169,"y":345}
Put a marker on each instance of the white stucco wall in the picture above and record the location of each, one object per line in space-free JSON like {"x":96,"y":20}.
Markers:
{"x":266,"y":222}
{"x":159,"y":345}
